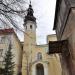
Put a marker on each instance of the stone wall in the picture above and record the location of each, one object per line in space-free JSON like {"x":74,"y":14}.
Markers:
{"x":65,"y":29}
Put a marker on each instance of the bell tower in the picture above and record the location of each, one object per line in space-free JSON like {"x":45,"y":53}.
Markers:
{"x":29,"y":39}
{"x":30,"y":26}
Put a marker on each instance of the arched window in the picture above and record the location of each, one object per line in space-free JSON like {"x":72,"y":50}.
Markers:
{"x":39,"y":56}
{"x":30,"y":26}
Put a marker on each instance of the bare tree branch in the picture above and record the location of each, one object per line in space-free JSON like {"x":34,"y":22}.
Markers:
{"x":12,"y":7}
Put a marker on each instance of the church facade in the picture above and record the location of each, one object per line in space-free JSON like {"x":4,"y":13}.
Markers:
{"x":36,"y":60}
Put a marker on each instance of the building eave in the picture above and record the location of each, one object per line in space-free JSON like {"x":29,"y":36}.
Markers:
{"x":56,"y":13}
{"x":6,"y":31}
{"x":58,"y":3}
{"x":9,"y":31}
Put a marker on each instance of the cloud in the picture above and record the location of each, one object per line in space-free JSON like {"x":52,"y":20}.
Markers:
{"x":44,"y":12}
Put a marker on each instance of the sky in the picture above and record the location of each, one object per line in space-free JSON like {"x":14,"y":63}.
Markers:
{"x":44,"y":11}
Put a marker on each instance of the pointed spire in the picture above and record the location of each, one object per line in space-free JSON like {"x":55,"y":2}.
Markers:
{"x":30,"y":15}
{"x":30,"y":6}
{"x":30,"y":2}
{"x":30,"y":10}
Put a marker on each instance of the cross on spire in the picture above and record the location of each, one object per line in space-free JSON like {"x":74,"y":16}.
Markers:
{"x":30,"y":2}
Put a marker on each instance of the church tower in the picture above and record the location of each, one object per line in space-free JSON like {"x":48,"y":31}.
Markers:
{"x":30,"y":26}
{"x":29,"y":38}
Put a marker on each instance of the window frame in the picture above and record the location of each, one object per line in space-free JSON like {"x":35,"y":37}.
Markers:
{"x":30,"y":26}
{"x":39,"y":56}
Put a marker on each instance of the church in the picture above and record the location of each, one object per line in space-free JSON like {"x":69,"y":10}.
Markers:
{"x":35,"y":59}
{"x":30,"y":58}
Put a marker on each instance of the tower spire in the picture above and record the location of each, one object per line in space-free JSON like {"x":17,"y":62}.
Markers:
{"x":30,"y":2}
{"x":30,"y":16}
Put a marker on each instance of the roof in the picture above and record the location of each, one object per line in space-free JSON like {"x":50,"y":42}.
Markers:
{"x":30,"y":16}
{"x":6,"y":31}
{"x":9,"y":31}
{"x":56,"y":12}
{"x":71,"y":4}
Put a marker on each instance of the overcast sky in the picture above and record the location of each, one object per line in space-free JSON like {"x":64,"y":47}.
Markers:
{"x":44,"y":12}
